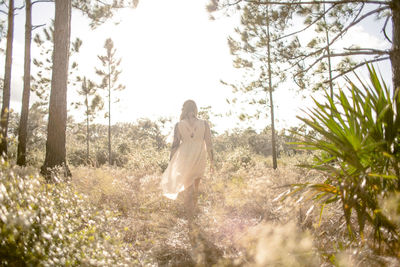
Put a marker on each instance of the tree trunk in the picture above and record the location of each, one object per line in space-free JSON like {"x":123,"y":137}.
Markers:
{"x":7,"y":80}
{"x":395,"y":54}
{"x":57,"y":124}
{"x":23,"y":122}
{"x":87,"y":130}
{"x":328,"y":52}
{"x":109,"y":115}
{"x":274,"y":161}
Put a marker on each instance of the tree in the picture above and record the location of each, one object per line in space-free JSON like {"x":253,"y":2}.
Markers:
{"x":110,"y":74}
{"x":92,"y":103}
{"x":99,"y":11}
{"x":344,"y":15}
{"x":7,"y":80}
{"x":255,"y":50}
{"x":23,"y":123}
{"x":56,"y":136}
{"x":55,"y":144}
{"x":41,"y":76}
{"x":42,"y":81}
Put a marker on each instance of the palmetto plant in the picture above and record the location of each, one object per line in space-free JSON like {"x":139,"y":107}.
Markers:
{"x":358,"y":141}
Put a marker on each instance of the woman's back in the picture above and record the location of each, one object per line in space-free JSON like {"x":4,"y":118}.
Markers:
{"x":192,"y":142}
{"x":191,"y":131}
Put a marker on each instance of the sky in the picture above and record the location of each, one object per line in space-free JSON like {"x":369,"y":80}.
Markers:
{"x":171,"y":51}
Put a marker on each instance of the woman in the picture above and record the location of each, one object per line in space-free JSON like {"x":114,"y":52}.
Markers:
{"x":192,"y":141}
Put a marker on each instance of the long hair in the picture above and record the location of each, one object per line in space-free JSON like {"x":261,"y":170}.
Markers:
{"x":189,"y":109}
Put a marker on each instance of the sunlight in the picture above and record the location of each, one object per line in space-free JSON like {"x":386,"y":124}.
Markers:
{"x":263,"y":168}
{"x":176,"y":56}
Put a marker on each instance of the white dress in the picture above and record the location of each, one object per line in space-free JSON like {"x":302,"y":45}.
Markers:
{"x":188,"y":162}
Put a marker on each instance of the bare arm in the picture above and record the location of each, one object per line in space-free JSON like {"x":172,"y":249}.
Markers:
{"x":207,"y":139}
{"x":176,"y":142}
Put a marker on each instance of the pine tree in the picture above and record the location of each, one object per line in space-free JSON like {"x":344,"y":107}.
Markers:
{"x":41,"y":77}
{"x":42,"y":65}
{"x":255,"y":50}
{"x":55,"y":144}
{"x":92,"y":103}
{"x":56,"y":130}
{"x":23,"y":123}
{"x":110,"y":75}
{"x":342,"y":15}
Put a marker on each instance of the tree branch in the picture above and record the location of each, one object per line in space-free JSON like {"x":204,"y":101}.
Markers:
{"x":372,"y":50}
{"x":384,"y":29}
{"x":303,"y":56}
{"x":358,"y":20}
{"x":317,"y":2}
{"x":19,"y":8}
{"x":42,"y":1}
{"x":34,"y":27}
{"x":356,"y":67}
{"x":308,"y":26}
{"x":234,"y":3}
{"x":359,"y":12}
{"x":344,"y":54}
{"x":356,"y":53}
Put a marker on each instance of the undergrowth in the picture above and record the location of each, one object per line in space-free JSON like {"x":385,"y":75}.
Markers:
{"x":110,"y":215}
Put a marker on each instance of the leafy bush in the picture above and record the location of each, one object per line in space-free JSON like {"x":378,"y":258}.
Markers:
{"x":51,"y":225}
{"x":360,"y":153}
{"x":126,"y":140}
{"x":148,"y":161}
{"x":239,"y":158}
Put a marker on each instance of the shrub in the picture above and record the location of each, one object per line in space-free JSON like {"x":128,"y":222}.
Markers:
{"x":358,"y":140}
{"x":148,"y":161}
{"x":51,"y":225}
{"x":239,"y":158}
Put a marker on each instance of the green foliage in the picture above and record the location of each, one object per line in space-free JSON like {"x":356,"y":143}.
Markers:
{"x":359,"y":144}
{"x":52,"y":225}
{"x":258,"y":143}
{"x":42,"y":65}
{"x":92,"y":103}
{"x":109,"y":74}
{"x":36,"y":134}
{"x":101,"y":11}
{"x":258,"y":33}
{"x":325,"y":23}
{"x":239,"y":223}
{"x":139,"y":145}
{"x":239,"y":158}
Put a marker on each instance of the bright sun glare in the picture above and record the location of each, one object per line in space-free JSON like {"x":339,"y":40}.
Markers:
{"x":168,"y":56}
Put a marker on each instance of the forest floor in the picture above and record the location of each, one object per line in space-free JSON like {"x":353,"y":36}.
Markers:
{"x":241,"y":219}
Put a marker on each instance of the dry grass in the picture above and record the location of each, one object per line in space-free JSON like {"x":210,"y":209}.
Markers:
{"x":240,"y":220}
